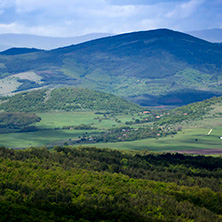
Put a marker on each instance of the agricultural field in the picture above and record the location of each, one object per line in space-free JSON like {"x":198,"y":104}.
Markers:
{"x":60,"y":119}
{"x":188,"y":139}
{"x":50,"y":128}
{"x":193,"y":135}
{"x":184,"y":129}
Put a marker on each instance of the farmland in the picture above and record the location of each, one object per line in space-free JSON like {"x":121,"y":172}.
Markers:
{"x":192,"y":136}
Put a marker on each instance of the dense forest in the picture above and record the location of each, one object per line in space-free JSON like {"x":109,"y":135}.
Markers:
{"x":90,"y":184}
{"x":66,"y":99}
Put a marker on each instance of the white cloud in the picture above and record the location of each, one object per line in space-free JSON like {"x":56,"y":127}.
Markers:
{"x":77,"y":17}
{"x":184,"y":10}
{"x":6,"y":3}
{"x":12,"y":28}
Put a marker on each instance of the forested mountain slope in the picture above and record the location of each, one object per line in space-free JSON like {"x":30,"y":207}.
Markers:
{"x":150,"y":64}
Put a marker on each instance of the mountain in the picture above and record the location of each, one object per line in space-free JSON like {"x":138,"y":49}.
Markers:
{"x":148,"y":67}
{"x":18,"y":51}
{"x":211,"y":35}
{"x":42,"y":42}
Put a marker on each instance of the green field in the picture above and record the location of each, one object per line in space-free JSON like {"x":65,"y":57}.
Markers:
{"x":48,"y":136}
{"x":185,"y":140}
{"x":193,"y":134}
{"x":38,"y":138}
{"x":60,"y":119}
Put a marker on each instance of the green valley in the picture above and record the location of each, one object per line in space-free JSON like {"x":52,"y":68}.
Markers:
{"x":74,"y":116}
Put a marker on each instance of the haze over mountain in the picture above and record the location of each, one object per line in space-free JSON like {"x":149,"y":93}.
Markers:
{"x":148,"y":67}
{"x":211,"y":35}
{"x":42,"y":42}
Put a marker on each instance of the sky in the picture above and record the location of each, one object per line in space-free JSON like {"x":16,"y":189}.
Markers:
{"x":68,"y":18}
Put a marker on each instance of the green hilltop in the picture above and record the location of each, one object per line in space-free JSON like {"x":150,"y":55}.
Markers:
{"x":66,"y":99}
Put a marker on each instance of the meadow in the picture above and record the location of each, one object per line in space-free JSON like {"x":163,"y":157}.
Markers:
{"x":188,"y":139}
{"x":61,"y":119}
{"x":192,"y":137}
{"x":48,"y":136}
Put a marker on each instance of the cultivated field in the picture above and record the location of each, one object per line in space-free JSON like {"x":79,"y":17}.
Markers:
{"x":193,"y":138}
{"x":188,"y":139}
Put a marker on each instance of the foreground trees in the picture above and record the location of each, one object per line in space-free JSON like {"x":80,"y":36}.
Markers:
{"x":90,"y":184}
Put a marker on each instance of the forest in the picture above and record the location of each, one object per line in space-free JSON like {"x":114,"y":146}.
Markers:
{"x":91,"y":184}
{"x":65,"y":99}
{"x":17,"y":122}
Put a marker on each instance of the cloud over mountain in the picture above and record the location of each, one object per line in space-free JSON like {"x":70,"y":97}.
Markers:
{"x":75,"y":17}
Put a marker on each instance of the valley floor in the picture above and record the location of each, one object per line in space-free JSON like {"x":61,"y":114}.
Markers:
{"x":193,"y":138}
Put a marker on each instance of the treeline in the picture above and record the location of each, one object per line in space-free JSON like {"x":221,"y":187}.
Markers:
{"x":14,"y":121}
{"x":125,"y":133}
{"x":67,"y":99}
{"x":90,"y":184}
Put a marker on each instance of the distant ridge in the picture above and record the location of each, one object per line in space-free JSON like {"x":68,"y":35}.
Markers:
{"x":42,"y":42}
{"x":18,"y":51}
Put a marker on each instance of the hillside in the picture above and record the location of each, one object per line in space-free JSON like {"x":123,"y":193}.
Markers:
{"x":89,"y":184}
{"x":66,"y":99}
{"x":193,"y":111}
{"x":149,"y":67}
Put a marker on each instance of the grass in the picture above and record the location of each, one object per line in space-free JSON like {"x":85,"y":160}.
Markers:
{"x":185,"y":140}
{"x":193,"y":135}
{"x":60,"y":119}
{"x":8,"y":85}
{"x":38,"y":138}
{"x":48,"y":136}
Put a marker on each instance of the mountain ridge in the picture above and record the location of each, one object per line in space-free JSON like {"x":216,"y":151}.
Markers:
{"x":154,"y":63}
{"x":10,"y":40}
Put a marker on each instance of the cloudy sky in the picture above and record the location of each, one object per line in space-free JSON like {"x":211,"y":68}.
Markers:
{"x":65,"y":18}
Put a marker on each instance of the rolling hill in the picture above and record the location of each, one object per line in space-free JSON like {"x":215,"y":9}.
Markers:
{"x":66,"y":99}
{"x":149,"y":67}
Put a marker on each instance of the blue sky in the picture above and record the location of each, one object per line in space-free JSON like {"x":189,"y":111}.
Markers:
{"x":65,"y":18}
